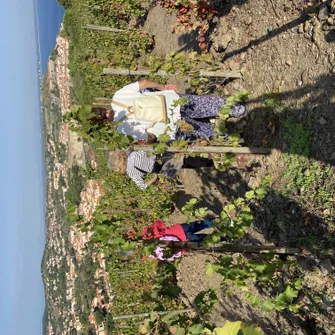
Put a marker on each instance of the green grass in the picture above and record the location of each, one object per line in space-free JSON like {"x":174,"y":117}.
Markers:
{"x":310,"y":182}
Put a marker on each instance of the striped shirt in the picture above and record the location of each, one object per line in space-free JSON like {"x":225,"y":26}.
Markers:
{"x":138,"y":164}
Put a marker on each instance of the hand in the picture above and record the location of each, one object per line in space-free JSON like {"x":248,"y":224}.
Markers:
{"x":170,"y":87}
{"x":152,"y":180}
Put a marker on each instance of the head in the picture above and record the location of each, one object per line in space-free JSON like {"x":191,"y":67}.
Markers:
{"x":102,"y":115}
{"x":117,"y":160}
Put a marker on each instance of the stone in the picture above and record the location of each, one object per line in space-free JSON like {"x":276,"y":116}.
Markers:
{"x":323,"y":12}
{"x":322,"y":121}
{"x":270,"y":28}
{"x":326,"y":266}
{"x":299,"y":82}
{"x":326,"y":212}
{"x":244,"y":71}
{"x":299,"y":332}
{"x":328,"y":301}
{"x":332,"y":7}
{"x":236,"y":34}
{"x":326,"y":27}
{"x":307,"y":27}
{"x":301,"y":28}
{"x":225,"y":40}
{"x":249,"y":20}
{"x":304,"y":77}
{"x":288,"y":62}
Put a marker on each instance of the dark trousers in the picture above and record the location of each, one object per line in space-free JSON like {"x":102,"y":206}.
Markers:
{"x":192,"y":228}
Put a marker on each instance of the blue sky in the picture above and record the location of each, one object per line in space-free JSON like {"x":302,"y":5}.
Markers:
{"x":22,"y":175}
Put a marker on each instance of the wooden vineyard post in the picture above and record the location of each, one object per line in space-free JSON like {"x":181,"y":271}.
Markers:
{"x":101,"y":28}
{"x":207,"y":149}
{"x":162,"y":73}
{"x":143,"y":315}
{"x":131,"y":210}
{"x":102,"y":102}
{"x":226,"y":247}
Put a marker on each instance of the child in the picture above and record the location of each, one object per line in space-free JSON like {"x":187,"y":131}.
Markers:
{"x":137,"y":163}
{"x":176,"y":232}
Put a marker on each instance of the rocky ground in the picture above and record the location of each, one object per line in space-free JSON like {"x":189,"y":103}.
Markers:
{"x":285,"y":47}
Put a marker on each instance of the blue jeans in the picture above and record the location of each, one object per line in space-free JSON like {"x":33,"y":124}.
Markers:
{"x":192,"y":228}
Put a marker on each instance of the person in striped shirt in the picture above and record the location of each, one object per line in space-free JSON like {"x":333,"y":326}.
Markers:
{"x":136,"y":164}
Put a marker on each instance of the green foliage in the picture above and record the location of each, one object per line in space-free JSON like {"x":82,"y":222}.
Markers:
{"x":241,"y":270}
{"x":223,"y":162}
{"x":76,"y":184}
{"x":176,"y":323}
{"x":206,"y":300}
{"x":240,"y":97}
{"x":264,"y":273}
{"x":188,"y":208}
{"x":125,"y":205}
{"x":84,"y":289}
{"x":65,"y":3}
{"x":99,"y":315}
{"x":109,"y":323}
{"x":93,"y":50}
{"x":234,"y":219}
{"x":237,"y":328}
{"x":310,"y":182}
{"x":282,"y":300}
{"x":273,"y":101}
{"x":71,"y":214}
{"x":81,"y":120}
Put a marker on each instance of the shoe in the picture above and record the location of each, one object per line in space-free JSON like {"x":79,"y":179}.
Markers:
{"x":238,"y":111}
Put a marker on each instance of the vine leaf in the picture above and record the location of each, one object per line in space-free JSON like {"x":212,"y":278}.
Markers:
{"x":251,"y":330}
{"x":196,"y":329}
{"x":290,"y":292}
{"x":268,"y":305}
{"x":170,"y":317}
{"x":180,"y":331}
{"x":229,"y":328}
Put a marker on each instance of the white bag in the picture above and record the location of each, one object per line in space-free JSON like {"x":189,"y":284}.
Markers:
{"x":147,"y":108}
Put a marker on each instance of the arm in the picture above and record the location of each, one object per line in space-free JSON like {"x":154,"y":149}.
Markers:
{"x":134,"y":173}
{"x":152,"y":180}
{"x":137,"y":179}
{"x":136,"y":176}
{"x":143,"y":84}
{"x":150,"y":84}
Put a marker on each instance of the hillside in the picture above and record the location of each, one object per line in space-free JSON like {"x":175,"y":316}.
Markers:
{"x":284,"y":51}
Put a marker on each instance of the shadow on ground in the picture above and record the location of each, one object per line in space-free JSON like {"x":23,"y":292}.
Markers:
{"x":311,"y":105}
{"x":282,"y":121}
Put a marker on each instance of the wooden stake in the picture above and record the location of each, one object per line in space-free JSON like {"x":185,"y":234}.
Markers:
{"x":132,"y":210}
{"x":226,"y":247}
{"x":94,"y":27}
{"x":162,"y":73}
{"x":143,"y":315}
{"x":207,"y":149}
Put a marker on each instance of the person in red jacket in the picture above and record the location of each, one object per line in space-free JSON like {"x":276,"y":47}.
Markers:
{"x":176,"y":232}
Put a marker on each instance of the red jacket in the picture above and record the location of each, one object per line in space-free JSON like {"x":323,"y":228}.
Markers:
{"x":158,"y":229}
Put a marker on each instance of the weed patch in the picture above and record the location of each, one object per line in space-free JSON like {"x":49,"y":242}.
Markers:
{"x":309,"y":182}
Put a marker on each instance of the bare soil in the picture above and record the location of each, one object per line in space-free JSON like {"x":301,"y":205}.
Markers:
{"x":279,"y":48}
